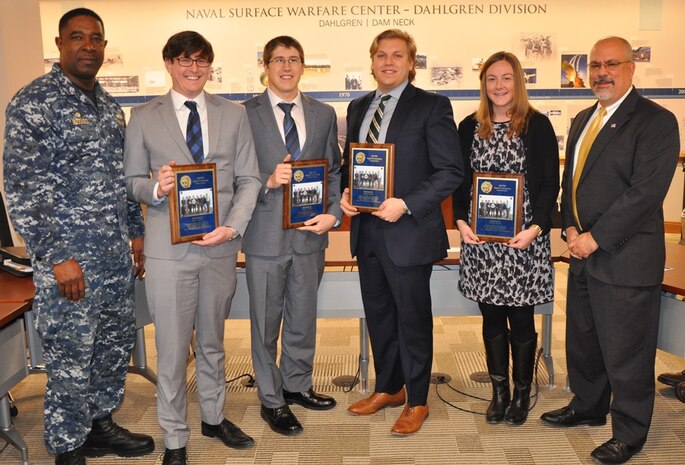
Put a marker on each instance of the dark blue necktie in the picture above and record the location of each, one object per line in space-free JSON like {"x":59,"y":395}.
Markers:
{"x":292,"y":142}
{"x":194,"y":133}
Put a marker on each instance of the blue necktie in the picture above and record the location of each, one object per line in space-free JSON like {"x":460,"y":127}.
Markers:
{"x":375,"y":128}
{"x":292,"y":142}
{"x":194,"y":133}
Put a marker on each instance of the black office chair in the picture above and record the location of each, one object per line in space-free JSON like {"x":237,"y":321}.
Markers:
{"x":5,"y":232}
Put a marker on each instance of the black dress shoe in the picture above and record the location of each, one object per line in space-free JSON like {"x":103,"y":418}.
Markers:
{"x":567,"y":417}
{"x":281,"y":420}
{"x":106,"y":437}
{"x":615,"y":451}
{"x":175,"y":457}
{"x":73,"y":457}
{"x":229,"y":433}
{"x":671,"y":379}
{"x":309,"y":399}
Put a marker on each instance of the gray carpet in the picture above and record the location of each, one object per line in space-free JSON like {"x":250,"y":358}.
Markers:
{"x":450,"y":436}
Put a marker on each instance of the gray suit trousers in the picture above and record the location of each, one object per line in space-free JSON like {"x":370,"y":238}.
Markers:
{"x":195,"y":291}
{"x":283,"y":287}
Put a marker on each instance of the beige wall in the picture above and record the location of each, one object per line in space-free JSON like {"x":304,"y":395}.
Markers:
{"x":139,"y":38}
{"x":21,"y":51}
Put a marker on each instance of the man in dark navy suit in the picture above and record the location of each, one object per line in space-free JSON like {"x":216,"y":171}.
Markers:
{"x":621,"y":156}
{"x":397,"y":245}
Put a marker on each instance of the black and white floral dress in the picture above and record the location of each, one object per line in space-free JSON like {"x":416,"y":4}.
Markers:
{"x":492,"y":272}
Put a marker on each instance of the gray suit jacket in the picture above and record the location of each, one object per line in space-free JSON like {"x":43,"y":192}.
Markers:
{"x":265,"y":235}
{"x":154,"y":138}
{"x":621,"y":191}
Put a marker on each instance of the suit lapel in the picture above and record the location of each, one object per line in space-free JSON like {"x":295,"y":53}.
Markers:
{"x":609,"y":130}
{"x":214,"y":122}
{"x":402,"y":110}
{"x":271,"y":129}
{"x":310,"y":121}
{"x":356,"y":120}
{"x":169,"y":119}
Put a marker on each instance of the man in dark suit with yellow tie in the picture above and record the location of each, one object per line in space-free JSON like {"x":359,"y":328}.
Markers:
{"x":397,"y":245}
{"x":621,"y":156}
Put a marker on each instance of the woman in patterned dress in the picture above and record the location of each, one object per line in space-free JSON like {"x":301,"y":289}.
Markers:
{"x":507,"y":279}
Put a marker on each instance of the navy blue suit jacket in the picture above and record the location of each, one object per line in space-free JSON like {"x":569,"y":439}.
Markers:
{"x":428,"y":168}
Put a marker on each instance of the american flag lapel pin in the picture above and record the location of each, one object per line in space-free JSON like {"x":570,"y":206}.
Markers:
{"x":613,"y":126}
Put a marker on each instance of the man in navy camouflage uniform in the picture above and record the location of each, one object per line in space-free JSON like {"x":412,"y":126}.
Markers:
{"x":66,"y":193}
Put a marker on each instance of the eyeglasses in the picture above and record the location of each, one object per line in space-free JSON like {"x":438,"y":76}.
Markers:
{"x":188,"y":62}
{"x":610,"y":65}
{"x":280,"y":61}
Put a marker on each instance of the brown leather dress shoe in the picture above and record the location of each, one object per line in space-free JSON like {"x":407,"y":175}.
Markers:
{"x":680,"y":391}
{"x":376,"y":402}
{"x":411,"y":420}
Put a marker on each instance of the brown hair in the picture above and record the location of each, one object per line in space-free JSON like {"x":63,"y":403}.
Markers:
{"x":520,"y":110}
{"x":286,"y":42}
{"x":397,"y":34}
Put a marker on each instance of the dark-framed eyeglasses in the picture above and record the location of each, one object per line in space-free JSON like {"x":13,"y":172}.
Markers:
{"x":610,"y":65}
{"x":188,"y":62}
{"x":280,"y":61}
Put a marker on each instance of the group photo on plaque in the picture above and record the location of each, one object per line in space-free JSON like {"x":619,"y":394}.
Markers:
{"x":306,"y":193}
{"x":192,"y":202}
{"x":371,"y":175}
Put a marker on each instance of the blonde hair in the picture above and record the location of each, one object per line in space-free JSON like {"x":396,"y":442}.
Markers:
{"x":520,"y":110}
{"x":397,"y":34}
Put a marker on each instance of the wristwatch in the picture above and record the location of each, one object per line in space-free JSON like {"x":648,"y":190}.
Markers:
{"x":405,"y":209}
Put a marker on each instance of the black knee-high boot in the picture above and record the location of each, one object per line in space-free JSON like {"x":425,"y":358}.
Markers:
{"x":523,"y":358}
{"x":497,"y":354}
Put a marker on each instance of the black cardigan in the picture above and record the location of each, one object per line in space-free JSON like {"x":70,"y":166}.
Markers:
{"x":542,"y":177}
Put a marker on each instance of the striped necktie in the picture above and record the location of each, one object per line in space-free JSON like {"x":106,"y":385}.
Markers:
{"x":584,"y":151}
{"x":375,"y":128}
{"x":292,"y":142}
{"x":194,"y":133}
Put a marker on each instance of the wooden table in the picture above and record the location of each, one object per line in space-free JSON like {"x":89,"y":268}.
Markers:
{"x":13,"y":363}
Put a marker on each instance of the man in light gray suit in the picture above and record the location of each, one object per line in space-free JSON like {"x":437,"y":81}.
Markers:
{"x":284,"y":267}
{"x":191,"y":284}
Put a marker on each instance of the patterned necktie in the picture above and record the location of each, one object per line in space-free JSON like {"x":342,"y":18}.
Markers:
{"x":292,"y":142}
{"x":194,"y":133}
{"x":583,"y":152}
{"x":375,"y":128}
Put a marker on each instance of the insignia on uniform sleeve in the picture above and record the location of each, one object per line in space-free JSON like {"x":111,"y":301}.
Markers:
{"x":120,"y":119}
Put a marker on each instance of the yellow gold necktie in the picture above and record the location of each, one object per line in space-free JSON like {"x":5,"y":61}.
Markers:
{"x":583,"y":152}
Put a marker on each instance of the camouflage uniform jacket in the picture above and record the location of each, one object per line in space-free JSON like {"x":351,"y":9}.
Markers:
{"x":64,"y":175}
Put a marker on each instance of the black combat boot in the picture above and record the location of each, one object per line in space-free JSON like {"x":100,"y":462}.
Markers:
{"x":497,"y":354}
{"x":72,"y":457}
{"x":523,"y":357}
{"x":106,"y":437}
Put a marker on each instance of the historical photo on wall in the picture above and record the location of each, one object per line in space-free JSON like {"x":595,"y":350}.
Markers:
{"x":530,"y":75}
{"x":573,"y":70}
{"x":120,"y":84}
{"x":444,"y":75}
{"x":642,"y":54}
{"x":535,"y":46}
{"x":421,"y":61}
{"x":353,"y":80}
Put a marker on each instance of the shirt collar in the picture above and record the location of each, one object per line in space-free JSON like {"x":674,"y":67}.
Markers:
{"x":180,"y":100}
{"x":611,"y":108}
{"x":395,"y":93}
{"x":275,"y":99}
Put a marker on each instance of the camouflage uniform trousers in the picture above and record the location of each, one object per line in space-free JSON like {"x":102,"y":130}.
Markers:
{"x":86,"y":346}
